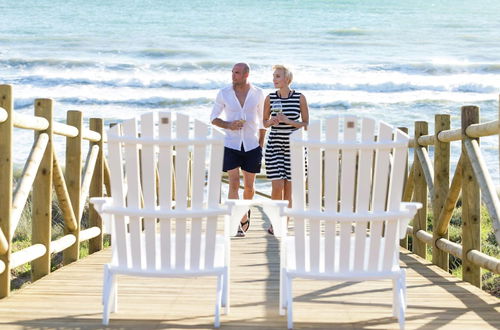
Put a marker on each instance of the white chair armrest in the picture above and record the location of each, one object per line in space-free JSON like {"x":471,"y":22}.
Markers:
{"x":412,"y":209}
{"x":99,"y":205}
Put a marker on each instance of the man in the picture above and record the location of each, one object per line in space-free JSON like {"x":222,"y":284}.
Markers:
{"x":242,"y":106}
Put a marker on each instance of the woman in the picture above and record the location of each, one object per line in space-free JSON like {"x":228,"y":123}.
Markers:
{"x":285,"y":111}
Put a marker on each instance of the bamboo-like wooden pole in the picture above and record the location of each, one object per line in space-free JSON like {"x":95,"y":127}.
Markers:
{"x":63,"y":195}
{"x":408,"y":191}
{"x":488,"y":191}
{"x":451,"y":200}
{"x":74,"y":181}
{"x":96,"y":187}
{"x":476,"y":257}
{"x":6,"y":127}
{"x":30,"y":122}
{"x":483,"y":129}
{"x":441,"y":187}
{"x":420,"y":192}
{"x":28,"y":176}
{"x":41,"y":226}
{"x":107,"y":178}
{"x":428,"y":170}
{"x":471,"y":203}
{"x":87,"y":176}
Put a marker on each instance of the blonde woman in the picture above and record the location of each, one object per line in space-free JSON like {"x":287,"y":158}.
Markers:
{"x":285,"y":111}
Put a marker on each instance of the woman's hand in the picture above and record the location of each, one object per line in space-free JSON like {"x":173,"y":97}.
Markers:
{"x":273,"y":121}
{"x":282,"y":118}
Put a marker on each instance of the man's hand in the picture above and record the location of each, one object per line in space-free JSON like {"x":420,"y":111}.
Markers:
{"x":236,"y":125}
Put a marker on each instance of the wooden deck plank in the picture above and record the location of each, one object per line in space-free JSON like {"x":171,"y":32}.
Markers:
{"x":70,"y":298}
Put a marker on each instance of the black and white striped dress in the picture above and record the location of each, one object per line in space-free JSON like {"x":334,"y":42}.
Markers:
{"x":278,"y":143}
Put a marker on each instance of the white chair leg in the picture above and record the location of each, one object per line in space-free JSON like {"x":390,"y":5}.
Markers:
{"x":218,"y":301}
{"x":282,"y":292}
{"x":289,"y":303}
{"x":114,"y":294}
{"x":225,"y":292}
{"x":395,"y":287}
{"x":106,"y":295}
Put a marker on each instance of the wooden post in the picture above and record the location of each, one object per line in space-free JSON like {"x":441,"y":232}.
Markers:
{"x":6,"y":127}
{"x":73,"y":177}
{"x":404,"y":241}
{"x":441,"y":187}
{"x":420,"y":192}
{"x":96,"y":187}
{"x":471,"y":204}
{"x":42,"y":196}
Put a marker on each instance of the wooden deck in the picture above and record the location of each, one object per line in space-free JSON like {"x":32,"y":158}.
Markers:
{"x":70,"y":298}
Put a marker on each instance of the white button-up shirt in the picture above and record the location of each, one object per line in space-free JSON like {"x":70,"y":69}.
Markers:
{"x":227,"y":104}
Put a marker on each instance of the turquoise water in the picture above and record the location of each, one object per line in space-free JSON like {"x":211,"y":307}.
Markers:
{"x":399,"y":61}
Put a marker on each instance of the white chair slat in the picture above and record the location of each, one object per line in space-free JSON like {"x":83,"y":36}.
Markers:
{"x":360,"y":237}
{"x":150,"y":242}
{"x":398,"y":166}
{"x":330,"y":246}
{"x":300,"y":244}
{"x":181,"y":163}
{"x":381,"y":172}
{"x":345,"y":247}
{"x":118,"y":229}
{"x":115,"y":162}
{"x":198,"y":168}
{"x":196,"y":235}
{"x":314,"y":193}
{"x":165,"y":169}
{"x":365,"y":162}
{"x":331,"y":169}
{"x":375,"y":243}
{"x":364,"y":182}
{"x":390,"y":247}
{"x":314,"y":167}
{"x":298,"y":170}
{"x":133,"y":190}
{"x":132,"y":164}
{"x":331,"y":175}
{"x":348,"y":166}
{"x":180,"y":243}
{"x":165,"y":244}
{"x":210,"y":241}
{"x":135,"y":229}
{"x":314,"y":244}
{"x":148,"y":168}
{"x":214,"y":174}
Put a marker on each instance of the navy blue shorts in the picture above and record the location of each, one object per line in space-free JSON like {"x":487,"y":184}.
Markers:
{"x":249,"y":161}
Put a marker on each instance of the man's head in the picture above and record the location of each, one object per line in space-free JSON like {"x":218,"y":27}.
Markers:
{"x":240,"y":74}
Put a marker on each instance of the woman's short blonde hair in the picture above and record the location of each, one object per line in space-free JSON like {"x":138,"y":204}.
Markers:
{"x":288,"y":74}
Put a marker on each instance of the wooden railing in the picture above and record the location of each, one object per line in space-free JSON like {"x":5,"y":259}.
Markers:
{"x":431,"y":180}
{"x":42,"y":173}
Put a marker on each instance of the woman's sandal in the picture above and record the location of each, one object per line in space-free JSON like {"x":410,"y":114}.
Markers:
{"x":244,"y":226}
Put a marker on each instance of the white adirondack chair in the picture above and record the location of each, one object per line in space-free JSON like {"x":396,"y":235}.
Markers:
{"x":350,"y":227}
{"x":156,"y":230}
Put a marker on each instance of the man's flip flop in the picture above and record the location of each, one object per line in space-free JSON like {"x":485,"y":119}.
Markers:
{"x":244,"y":226}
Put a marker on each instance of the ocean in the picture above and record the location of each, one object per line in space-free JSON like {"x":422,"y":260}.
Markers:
{"x":399,"y":61}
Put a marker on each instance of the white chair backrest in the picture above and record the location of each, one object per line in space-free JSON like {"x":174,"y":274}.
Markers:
{"x":348,"y":222}
{"x":152,"y":174}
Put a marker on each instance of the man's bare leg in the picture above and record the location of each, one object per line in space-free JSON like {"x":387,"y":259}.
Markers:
{"x":234,"y":183}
